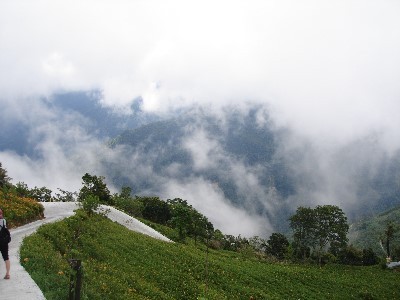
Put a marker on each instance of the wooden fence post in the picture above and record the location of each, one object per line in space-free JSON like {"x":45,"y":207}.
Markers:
{"x":75,"y":285}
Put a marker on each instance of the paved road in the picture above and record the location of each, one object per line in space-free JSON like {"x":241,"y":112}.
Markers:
{"x":21,"y":286}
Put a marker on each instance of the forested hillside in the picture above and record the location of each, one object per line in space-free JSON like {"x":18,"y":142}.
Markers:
{"x":371,"y":232}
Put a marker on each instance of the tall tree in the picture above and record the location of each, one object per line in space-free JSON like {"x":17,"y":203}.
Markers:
{"x":4,"y":179}
{"x":303,"y":226}
{"x":201,"y":227}
{"x":277,"y":245}
{"x":330,"y":227}
{"x":182,"y":217}
{"x":94,"y":185}
{"x":155,"y":210}
{"x":389,"y":235}
{"x":317,"y":228}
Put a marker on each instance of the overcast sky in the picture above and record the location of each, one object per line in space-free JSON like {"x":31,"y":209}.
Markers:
{"x":324,"y":66}
{"x":329,"y":70}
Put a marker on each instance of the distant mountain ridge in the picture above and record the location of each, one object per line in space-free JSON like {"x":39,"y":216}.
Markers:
{"x":243,"y":140}
{"x":239,"y":151}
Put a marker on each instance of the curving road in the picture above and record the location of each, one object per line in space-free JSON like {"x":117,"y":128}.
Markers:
{"x":21,"y":286}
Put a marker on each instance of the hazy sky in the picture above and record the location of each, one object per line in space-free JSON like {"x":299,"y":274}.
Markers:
{"x":331,"y":63}
{"x":329,"y":70}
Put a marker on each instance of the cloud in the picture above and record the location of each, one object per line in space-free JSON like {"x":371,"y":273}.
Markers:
{"x":209,"y":200}
{"x":316,"y":62}
{"x":61,"y":148}
{"x":326,"y":71}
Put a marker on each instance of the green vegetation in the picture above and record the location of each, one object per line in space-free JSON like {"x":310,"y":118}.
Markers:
{"x":94,"y":186}
{"x":121,"y":264}
{"x":369,"y":232}
{"x":18,"y":210}
{"x":325,"y":225}
{"x":205,"y":264}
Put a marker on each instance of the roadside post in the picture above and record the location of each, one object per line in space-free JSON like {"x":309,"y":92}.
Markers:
{"x":75,"y":280}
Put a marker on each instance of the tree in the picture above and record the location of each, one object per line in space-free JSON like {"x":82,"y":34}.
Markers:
{"x":229,"y":242}
{"x":395,"y":253}
{"x":90,"y":204}
{"x":303,"y":226}
{"x":319,"y":227}
{"x":155,"y":210}
{"x":201,"y":227}
{"x":330,"y":227}
{"x":65,"y":196}
{"x":42,"y":194}
{"x":22,"y":189}
{"x":277,"y":245}
{"x":350,"y":255}
{"x":4,"y":179}
{"x":389,"y":235}
{"x":94,"y":185}
{"x":369,"y":257}
{"x":181,"y":216}
{"x":125,"y":202}
{"x":258,"y":243}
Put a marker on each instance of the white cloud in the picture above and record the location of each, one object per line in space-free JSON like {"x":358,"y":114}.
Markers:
{"x":209,"y":200}
{"x":334,"y":64}
{"x":56,"y":65}
{"x":204,"y":150}
{"x":328,"y":70}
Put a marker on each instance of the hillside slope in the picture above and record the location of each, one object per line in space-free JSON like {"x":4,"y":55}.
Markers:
{"x":368,"y":232}
{"x":121,"y":264}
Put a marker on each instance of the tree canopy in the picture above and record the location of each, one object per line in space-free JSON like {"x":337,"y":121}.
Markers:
{"x":4,"y":179}
{"x":277,"y":245}
{"x":325,"y":225}
{"x":94,"y":185}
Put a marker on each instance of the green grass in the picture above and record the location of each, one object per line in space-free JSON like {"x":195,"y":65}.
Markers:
{"x":121,"y":264}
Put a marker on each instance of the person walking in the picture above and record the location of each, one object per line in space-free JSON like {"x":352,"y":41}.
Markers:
{"x":4,"y":246}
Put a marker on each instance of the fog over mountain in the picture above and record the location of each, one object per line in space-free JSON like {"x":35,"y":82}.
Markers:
{"x":312,"y":86}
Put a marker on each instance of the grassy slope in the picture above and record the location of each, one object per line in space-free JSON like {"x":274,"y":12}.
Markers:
{"x":120,"y":264}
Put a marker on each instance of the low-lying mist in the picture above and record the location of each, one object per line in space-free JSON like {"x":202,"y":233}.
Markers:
{"x":237,"y":165}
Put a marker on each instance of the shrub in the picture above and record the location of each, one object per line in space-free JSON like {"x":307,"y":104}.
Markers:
{"x":19,"y":210}
{"x":350,"y":255}
{"x":369,"y":257}
{"x":277,"y":245}
{"x":90,"y":203}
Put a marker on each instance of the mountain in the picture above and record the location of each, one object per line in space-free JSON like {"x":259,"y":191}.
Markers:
{"x":103,"y":121}
{"x":73,"y":108}
{"x":234,"y":157}
{"x":236,"y":142}
{"x":367,"y":232}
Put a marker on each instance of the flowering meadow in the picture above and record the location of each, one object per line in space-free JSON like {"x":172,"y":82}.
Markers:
{"x":121,"y":264}
{"x":19,"y":210}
